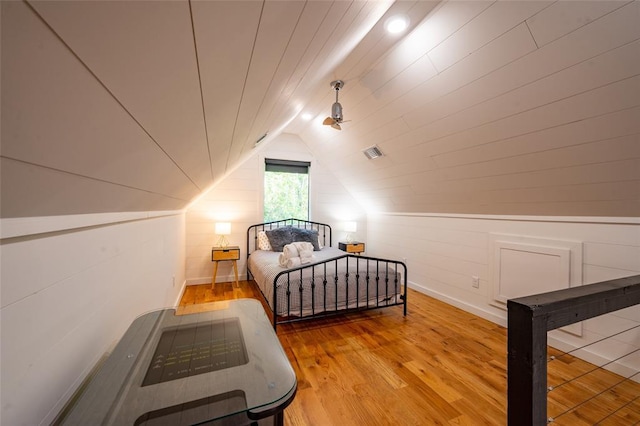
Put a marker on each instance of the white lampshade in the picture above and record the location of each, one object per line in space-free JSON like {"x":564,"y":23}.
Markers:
{"x":223,"y":228}
{"x":351,"y":226}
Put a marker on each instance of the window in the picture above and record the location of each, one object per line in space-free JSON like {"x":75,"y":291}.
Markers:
{"x":286,"y":189}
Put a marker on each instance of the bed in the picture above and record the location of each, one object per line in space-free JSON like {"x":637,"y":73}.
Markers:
{"x":332,"y":282}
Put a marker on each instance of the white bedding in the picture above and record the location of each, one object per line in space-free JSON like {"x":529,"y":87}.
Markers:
{"x":362,"y":291}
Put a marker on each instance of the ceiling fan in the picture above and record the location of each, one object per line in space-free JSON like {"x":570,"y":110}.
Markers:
{"x":336,"y":109}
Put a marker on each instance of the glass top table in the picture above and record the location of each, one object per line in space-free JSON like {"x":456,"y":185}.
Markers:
{"x":223,"y":366}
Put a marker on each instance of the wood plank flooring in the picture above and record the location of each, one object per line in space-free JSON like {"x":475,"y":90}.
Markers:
{"x":437,"y":366}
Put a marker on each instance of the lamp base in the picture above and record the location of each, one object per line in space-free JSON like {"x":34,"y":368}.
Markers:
{"x":222,"y":241}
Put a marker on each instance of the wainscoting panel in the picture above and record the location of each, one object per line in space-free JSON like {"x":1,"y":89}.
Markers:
{"x":524,"y":265}
{"x":520,"y":268}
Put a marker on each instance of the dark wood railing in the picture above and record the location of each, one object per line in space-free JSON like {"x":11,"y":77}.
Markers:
{"x":531,"y":317}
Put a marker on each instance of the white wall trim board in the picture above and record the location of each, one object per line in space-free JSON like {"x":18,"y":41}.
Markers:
{"x":573,"y":219}
{"x":180,"y":293}
{"x":457,"y":303}
{"x":228,"y":278}
{"x":23,"y":226}
{"x":198,"y":281}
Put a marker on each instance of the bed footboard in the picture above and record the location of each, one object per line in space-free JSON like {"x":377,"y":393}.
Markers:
{"x":343,"y":284}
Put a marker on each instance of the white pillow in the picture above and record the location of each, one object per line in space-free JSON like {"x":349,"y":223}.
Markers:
{"x":263,"y":241}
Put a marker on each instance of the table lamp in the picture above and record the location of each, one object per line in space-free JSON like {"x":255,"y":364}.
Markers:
{"x":222,"y":229}
{"x":350,"y":227}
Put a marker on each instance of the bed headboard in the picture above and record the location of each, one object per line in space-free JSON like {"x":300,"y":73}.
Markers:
{"x":324,"y":231}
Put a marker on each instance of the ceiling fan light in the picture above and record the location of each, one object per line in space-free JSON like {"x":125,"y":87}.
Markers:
{"x":336,"y":111}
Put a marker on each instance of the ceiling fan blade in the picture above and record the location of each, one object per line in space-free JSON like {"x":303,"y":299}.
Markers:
{"x":328,"y":121}
{"x":336,"y":126}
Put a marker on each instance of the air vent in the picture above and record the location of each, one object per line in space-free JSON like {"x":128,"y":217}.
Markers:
{"x":260,"y":139}
{"x":372,"y":152}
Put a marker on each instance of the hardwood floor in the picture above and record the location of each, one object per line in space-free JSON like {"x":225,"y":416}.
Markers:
{"x":437,"y":366}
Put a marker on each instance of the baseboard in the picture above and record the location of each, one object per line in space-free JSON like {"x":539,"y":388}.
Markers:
{"x":181,"y":293}
{"x":489,"y":316}
{"x":219,"y":279}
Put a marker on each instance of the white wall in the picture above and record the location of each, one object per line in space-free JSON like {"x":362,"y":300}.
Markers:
{"x":443,"y":253}
{"x":238,"y":199}
{"x":70,"y":287}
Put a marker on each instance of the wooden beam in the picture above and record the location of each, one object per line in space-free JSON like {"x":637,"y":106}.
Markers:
{"x":531,"y":317}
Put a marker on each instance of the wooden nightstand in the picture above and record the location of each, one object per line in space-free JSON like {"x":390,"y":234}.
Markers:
{"x":354,"y":247}
{"x":221,"y":254}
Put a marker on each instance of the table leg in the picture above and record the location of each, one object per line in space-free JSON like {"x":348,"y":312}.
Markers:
{"x":215,"y":272}
{"x":235,"y":270}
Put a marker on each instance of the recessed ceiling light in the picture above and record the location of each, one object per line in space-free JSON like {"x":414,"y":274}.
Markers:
{"x":306,"y":116}
{"x":396,"y":24}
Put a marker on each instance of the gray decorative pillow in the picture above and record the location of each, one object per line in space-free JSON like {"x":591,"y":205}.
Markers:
{"x":306,"y":235}
{"x":279,"y":237}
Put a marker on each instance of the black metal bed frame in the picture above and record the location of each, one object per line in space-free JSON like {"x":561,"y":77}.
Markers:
{"x":531,"y":317}
{"x":392,"y":273}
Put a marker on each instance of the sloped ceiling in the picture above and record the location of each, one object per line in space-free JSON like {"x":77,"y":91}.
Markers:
{"x":480,"y":107}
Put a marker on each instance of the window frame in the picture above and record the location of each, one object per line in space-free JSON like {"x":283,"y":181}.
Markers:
{"x":279,"y":165}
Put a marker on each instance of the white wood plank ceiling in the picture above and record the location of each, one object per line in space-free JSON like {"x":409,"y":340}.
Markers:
{"x":505,"y":107}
